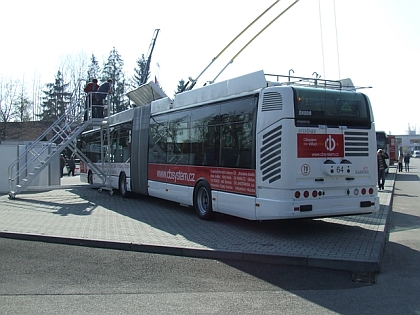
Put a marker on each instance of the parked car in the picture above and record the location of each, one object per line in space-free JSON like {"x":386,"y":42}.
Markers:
{"x":416,"y":154}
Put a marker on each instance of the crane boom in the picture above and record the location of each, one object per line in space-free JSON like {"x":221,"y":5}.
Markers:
{"x":145,"y":73}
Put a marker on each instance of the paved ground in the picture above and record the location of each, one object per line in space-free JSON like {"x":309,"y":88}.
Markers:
{"x":79,"y":215}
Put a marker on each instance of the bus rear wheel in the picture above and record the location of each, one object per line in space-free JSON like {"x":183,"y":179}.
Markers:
{"x":122,"y":185}
{"x":202,"y":201}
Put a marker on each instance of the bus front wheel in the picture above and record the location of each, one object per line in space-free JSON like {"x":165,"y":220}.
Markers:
{"x":122,"y":185}
{"x":202,"y":201}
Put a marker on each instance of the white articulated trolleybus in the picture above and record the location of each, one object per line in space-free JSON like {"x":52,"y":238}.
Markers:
{"x":249,"y":147}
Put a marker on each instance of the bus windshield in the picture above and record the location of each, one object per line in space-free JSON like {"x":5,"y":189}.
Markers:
{"x":381,"y":140}
{"x":314,"y":107}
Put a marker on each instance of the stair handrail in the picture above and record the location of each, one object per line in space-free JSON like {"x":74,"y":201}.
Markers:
{"x":65,"y":143}
{"x":50,"y":128}
{"x":42,"y":136}
{"x":64,"y":132}
{"x":58,"y":134}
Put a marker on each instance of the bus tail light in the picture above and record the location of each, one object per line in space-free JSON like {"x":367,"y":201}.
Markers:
{"x":363,"y":191}
{"x":371,"y":191}
{"x":306,"y":194}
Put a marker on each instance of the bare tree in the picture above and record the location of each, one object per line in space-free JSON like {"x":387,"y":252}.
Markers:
{"x":74,"y":68}
{"x":9,"y":92}
{"x":8,"y":95}
{"x":23,"y":105}
{"x":36,"y":96}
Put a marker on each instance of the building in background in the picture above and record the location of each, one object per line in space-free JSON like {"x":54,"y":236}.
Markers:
{"x":407,"y":143}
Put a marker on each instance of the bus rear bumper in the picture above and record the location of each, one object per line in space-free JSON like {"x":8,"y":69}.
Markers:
{"x":290,"y":209}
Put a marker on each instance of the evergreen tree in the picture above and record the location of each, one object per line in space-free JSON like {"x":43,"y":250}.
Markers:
{"x":23,"y":106}
{"x":180,"y":86}
{"x":56,"y":99}
{"x":93,"y":69}
{"x":113,"y":69}
{"x":139,"y":73}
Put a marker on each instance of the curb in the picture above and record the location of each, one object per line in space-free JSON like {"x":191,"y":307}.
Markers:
{"x":336,"y":264}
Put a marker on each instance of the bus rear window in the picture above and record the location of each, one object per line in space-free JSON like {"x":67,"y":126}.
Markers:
{"x":315,"y":107}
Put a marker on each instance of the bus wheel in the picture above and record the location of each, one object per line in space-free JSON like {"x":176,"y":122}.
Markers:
{"x":202,"y":201}
{"x":122,"y":185}
{"x":90,"y":177}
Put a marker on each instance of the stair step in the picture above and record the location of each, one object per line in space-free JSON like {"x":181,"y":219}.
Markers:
{"x":49,"y":150}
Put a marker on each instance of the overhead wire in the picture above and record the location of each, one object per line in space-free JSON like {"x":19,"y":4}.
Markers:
{"x":336,"y":41}
{"x":223,"y":50}
{"x":322,"y":39}
{"x":246,"y":45}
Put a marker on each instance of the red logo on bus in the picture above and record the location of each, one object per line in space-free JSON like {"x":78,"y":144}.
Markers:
{"x":320,"y":145}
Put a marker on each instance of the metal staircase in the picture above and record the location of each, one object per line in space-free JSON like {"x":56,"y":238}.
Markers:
{"x":62,"y":133}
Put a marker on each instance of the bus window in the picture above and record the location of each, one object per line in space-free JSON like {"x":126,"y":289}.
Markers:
{"x":158,"y":139}
{"x":205,"y":135}
{"x":178,"y":143}
{"x":120,"y":139}
{"x":237,"y":120}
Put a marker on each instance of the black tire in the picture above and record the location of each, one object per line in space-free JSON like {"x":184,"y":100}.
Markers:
{"x":202,"y":201}
{"x":122,"y":185}
{"x":90,"y":178}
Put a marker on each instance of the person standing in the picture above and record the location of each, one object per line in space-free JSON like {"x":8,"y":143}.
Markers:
{"x":400,"y":163}
{"x":72,"y":166}
{"x":381,"y":169}
{"x":91,"y":87}
{"x":104,"y":90}
{"x":407,"y":162}
{"x":62,"y":164}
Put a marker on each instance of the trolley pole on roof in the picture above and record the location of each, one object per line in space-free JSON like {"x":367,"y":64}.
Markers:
{"x":194,"y":81}
{"x":317,"y":76}
{"x":231,"y":61}
{"x":291,"y":70}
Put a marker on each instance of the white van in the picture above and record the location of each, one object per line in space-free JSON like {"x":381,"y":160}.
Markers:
{"x":416,"y":154}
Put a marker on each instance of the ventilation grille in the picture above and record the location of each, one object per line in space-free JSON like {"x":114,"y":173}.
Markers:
{"x":356,"y":143}
{"x":270,"y":155}
{"x":272,"y":101}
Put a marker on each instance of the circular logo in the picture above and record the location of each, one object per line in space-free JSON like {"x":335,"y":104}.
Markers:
{"x":305,"y":169}
{"x":329,"y":143}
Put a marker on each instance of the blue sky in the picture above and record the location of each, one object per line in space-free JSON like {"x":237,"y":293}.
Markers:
{"x":373,"y":42}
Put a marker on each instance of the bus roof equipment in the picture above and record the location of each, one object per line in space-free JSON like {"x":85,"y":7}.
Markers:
{"x":254,"y":81}
{"x":146,"y":93}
